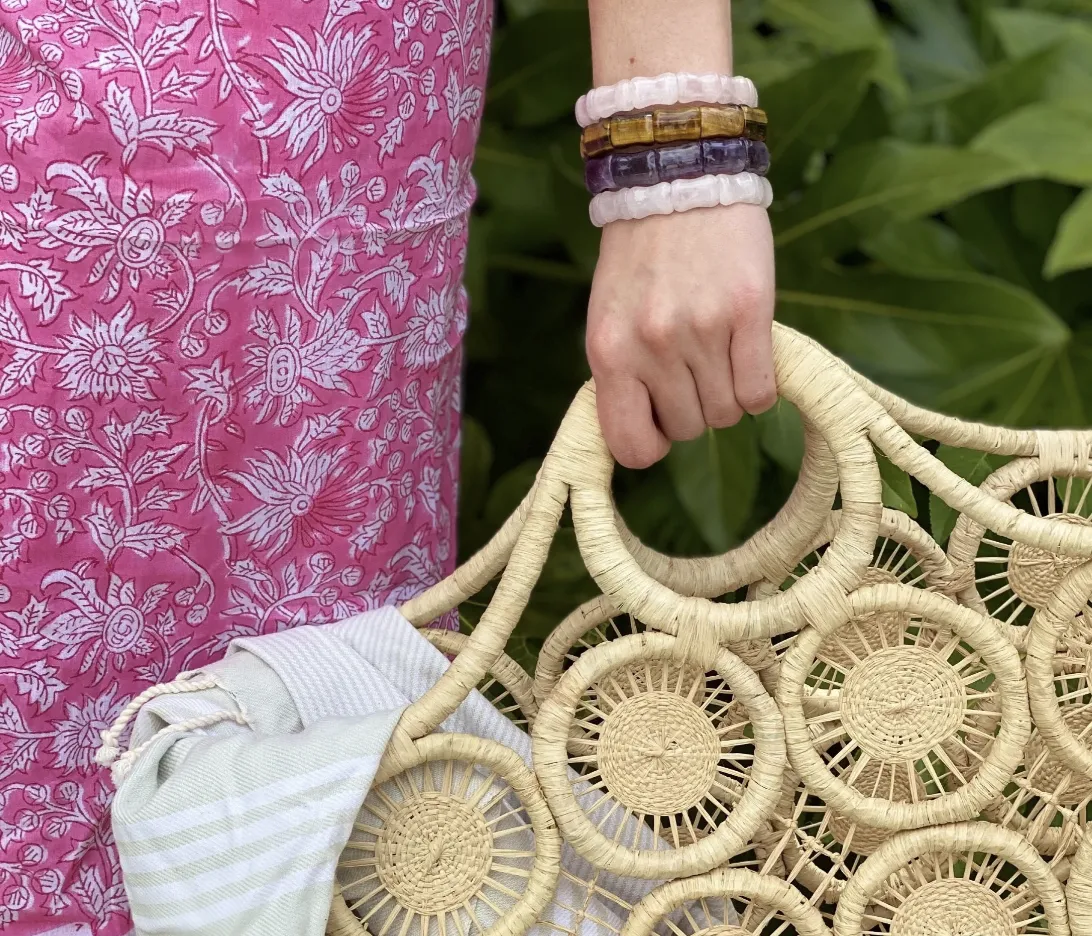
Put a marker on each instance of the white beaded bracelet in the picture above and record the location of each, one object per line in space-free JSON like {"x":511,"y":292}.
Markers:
{"x":632,"y":204}
{"x":671,"y":88}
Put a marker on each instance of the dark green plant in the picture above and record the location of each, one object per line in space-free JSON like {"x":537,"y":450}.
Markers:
{"x":933,"y":227}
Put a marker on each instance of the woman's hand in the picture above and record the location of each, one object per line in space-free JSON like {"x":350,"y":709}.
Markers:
{"x":679,"y":327}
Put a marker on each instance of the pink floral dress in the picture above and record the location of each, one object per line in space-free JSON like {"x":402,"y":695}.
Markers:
{"x":231,"y":240}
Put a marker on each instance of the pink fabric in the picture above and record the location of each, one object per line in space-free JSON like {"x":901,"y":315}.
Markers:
{"x":231,"y":240}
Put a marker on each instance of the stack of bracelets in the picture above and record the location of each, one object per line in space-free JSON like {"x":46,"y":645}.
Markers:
{"x":647,"y":152}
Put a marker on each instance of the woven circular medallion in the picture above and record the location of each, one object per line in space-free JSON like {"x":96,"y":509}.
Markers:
{"x":453,"y":830}
{"x":1035,"y":574}
{"x":680,"y":757}
{"x":955,"y":880}
{"x":953,"y":906}
{"x":1007,"y":579}
{"x":658,"y":753}
{"x":901,"y":702}
{"x":436,"y":854}
{"x":926,"y":716}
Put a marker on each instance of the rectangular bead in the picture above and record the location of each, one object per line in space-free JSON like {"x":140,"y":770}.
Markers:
{"x":670,"y":126}
{"x":725,"y":155}
{"x":727,"y":121}
{"x":631,"y":130}
{"x":597,"y":175}
{"x":758,"y":157}
{"x":636,"y":168}
{"x":756,"y":123}
{"x":681,"y":161}
{"x":595,"y":140}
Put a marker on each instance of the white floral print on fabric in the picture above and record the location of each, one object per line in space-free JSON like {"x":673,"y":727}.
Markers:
{"x":231,"y":241}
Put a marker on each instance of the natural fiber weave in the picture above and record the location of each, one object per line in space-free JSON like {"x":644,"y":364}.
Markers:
{"x":884,"y":738}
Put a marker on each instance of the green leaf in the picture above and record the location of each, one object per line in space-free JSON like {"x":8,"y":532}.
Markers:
{"x":476,"y":460}
{"x":840,"y":26}
{"x":541,"y":65}
{"x":938,"y":48}
{"x":519,"y":9}
{"x":716,"y":476}
{"x":1052,"y":141}
{"x":781,"y":434}
{"x":871,"y":185}
{"x":922,"y":247}
{"x":974,"y":467}
{"x":953,"y":342}
{"x":897,"y":489}
{"x":808,"y":121}
{"x":1072,"y":246}
{"x":509,"y":489}
{"x":1007,"y":86}
{"x":513,"y":173}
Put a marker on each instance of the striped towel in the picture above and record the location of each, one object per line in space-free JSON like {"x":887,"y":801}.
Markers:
{"x":236,"y":828}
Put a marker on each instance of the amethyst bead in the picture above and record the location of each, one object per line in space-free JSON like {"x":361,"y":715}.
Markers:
{"x":634,"y":168}
{"x":758,"y":160}
{"x":683,"y":161}
{"x":725,"y":156}
{"x":598,"y":176}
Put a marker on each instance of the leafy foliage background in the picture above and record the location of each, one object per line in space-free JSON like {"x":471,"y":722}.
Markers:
{"x":932,"y":165}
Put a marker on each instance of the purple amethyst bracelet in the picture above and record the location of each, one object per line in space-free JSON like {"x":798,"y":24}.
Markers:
{"x":633,"y":168}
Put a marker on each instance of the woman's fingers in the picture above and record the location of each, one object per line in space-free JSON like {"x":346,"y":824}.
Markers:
{"x":630,"y":431}
{"x":752,"y":366}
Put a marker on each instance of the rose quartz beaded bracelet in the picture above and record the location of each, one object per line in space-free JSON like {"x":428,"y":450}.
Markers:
{"x":632,"y":204}
{"x":672,"y":88}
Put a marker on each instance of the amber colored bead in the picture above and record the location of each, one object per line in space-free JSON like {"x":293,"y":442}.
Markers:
{"x":756,"y":123}
{"x":595,"y":140}
{"x":722,"y":122}
{"x":631,"y":130}
{"x":670,"y":126}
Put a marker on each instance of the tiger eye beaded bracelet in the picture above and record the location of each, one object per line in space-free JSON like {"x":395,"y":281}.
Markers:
{"x":672,"y":125}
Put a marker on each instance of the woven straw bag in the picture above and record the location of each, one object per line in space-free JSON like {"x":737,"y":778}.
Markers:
{"x":881,"y":738}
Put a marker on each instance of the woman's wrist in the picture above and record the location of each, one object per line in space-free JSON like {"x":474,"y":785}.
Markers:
{"x":650,"y":37}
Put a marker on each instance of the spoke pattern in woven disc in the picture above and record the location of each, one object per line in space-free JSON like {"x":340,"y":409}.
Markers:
{"x":719,"y":916}
{"x":445,"y":841}
{"x":668,"y":746}
{"x":916,"y":709}
{"x":1046,"y":802}
{"x":584,"y":903}
{"x":821,"y":849}
{"x":892,"y":562}
{"x":1014,"y":579}
{"x":956,"y":892}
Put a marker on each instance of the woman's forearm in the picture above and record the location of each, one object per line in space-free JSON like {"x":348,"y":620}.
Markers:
{"x":649,"y":37}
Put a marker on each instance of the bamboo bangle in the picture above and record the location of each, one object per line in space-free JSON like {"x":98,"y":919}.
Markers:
{"x":672,"y":125}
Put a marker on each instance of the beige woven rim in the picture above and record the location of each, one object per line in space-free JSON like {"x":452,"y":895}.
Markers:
{"x":405,"y":755}
{"x":758,"y":890}
{"x":1000,"y":762}
{"x":1078,"y":890}
{"x":504,"y":671}
{"x":1031,"y":575}
{"x":551,"y":758}
{"x":869,"y":883}
{"x":1048,"y":628}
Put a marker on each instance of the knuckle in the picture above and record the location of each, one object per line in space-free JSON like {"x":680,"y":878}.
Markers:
{"x":723,"y":415}
{"x":758,"y":399}
{"x":605,"y":345}
{"x":657,"y":330}
{"x":751,"y":296}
